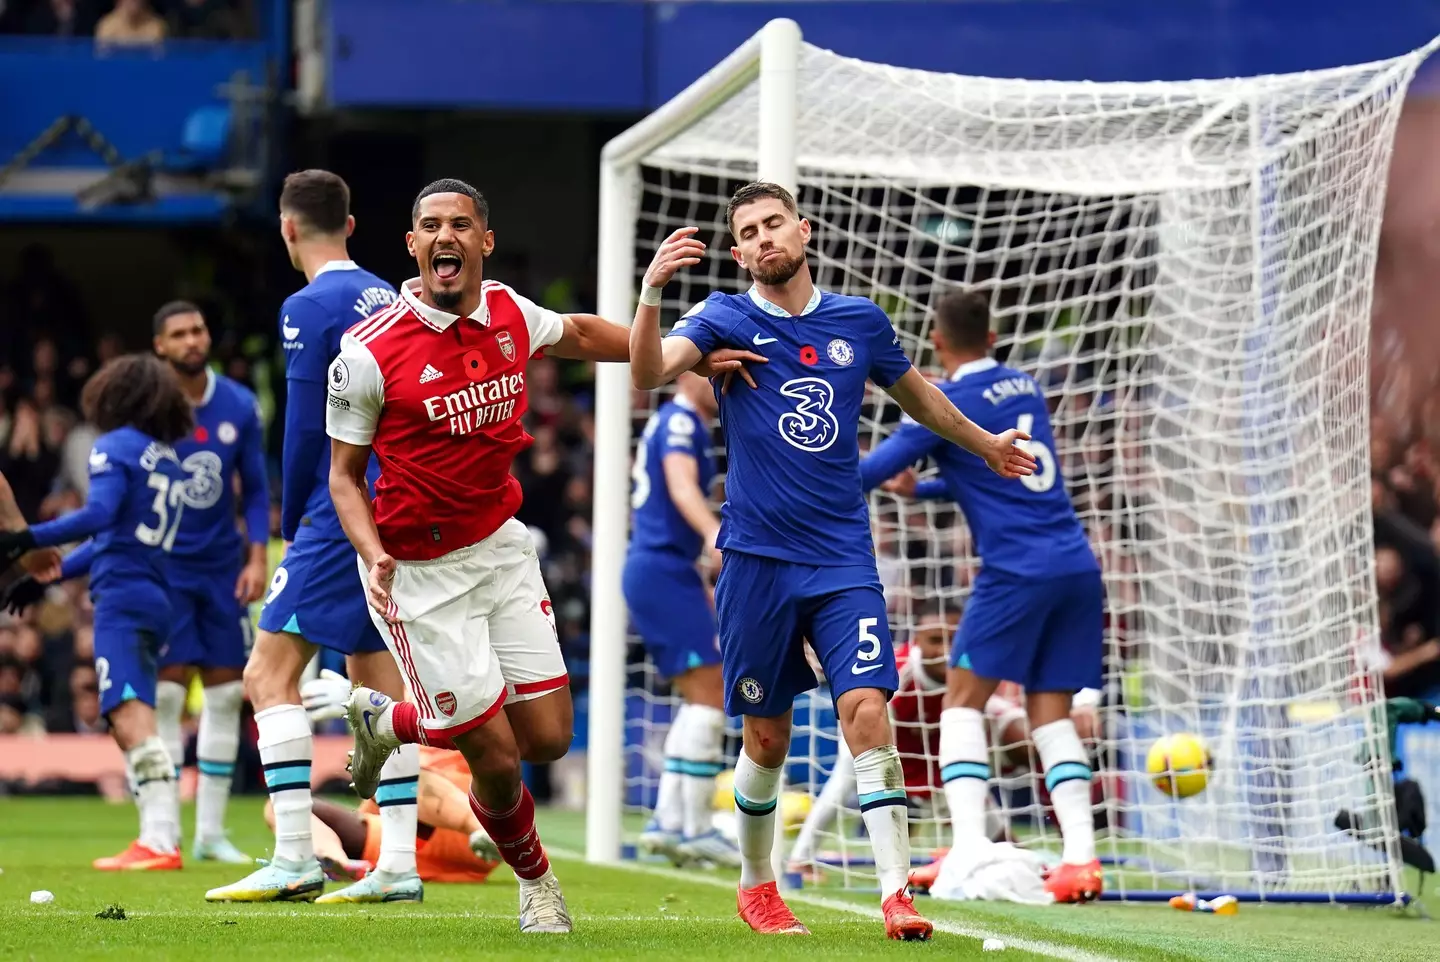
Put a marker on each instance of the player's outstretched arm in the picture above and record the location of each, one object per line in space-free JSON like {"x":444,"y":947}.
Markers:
{"x":928,"y":405}
{"x":589,"y":337}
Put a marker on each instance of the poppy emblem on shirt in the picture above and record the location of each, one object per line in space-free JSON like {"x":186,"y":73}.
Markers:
{"x":507,"y":345}
{"x":808,"y":355}
{"x":474,"y":364}
{"x":201,"y":434}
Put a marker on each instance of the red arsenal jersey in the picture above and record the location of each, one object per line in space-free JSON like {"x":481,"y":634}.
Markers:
{"x":915,"y":711}
{"x":440,"y":399}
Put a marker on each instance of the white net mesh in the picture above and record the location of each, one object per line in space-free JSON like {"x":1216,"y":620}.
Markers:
{"x":1186,"y":269}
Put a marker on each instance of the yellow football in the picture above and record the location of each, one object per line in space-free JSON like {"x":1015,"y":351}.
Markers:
{"x":1179,"y":764}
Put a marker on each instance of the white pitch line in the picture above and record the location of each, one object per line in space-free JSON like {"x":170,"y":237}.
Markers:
{"x":1052,"y":949}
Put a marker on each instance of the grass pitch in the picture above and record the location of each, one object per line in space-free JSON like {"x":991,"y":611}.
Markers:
{"x":621,"y":913}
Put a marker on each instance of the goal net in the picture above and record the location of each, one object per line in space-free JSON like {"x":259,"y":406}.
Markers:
{"x":1186,"y":269}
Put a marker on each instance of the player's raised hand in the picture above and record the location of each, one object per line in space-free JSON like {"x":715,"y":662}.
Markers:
{"x":726,"y":363}
{"x":1006,"y":455}
{"x":680,"y":249}
{"x":377,"y":587}
{"x":902,"y":484}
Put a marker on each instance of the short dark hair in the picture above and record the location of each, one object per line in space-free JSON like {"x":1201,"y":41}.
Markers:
{"x":173,"y":309}
{"x":318,"y":197}
{"x":449,"y":185}
{"x":759,"y":190}
{"x":963,"y":316}
{"x":138,"y":391}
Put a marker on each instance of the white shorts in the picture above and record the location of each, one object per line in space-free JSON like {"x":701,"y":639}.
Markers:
{"x":475,"y":627}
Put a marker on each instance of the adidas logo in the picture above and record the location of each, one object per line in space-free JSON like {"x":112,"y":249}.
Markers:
{"x":429,"y":374}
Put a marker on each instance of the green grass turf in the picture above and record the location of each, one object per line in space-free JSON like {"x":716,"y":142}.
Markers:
{"x":620,"y":913}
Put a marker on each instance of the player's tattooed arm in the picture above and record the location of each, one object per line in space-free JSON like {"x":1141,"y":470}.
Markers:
{"x":928,"y":405}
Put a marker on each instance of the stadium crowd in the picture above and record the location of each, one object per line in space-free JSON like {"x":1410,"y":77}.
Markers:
{"x":129,"y":22}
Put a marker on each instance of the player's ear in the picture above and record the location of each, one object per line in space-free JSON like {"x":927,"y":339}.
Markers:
{"x":739,"y":258}
{"x":410,"y":242}
{"x":349,"y":224}
{"x":990,"y":339}
{"x":804,"y":231}
{"x":487,"y":243}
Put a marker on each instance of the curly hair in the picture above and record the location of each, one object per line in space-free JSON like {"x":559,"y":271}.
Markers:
{"x":138,"y":391}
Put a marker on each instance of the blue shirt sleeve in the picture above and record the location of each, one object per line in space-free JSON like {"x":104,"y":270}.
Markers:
{"x":933,"y":489}
{"x":305,"y":331}
{"x":254,"y":484}
{"x":102,"y":505}
{"x":910,"y":443}
{"x":888,"y":362}
{"x":702,"y":325}
{"x":77,"y":562}
{"x":304,"y":444}
{"x":678,"y":435}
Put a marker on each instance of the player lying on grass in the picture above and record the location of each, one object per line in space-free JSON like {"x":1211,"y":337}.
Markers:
{"x":1035,"y":615}
{"x":798,"y":557}
{"x":136,"y":499}
{"x":672,"y":612}
{"x":435,"y":387}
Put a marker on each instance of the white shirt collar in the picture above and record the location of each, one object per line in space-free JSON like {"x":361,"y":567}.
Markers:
{"x":974,"y":367}
{"x":776,"y":310}
{"x":209,"y":388}
{"x":681,"y":401}
{"x":337,"y":266}
{"x":438,"y":319}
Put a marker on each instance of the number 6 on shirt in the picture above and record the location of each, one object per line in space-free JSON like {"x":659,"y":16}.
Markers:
{"x":1044,"y":477}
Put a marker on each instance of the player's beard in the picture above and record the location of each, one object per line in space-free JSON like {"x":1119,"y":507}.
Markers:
{"x":447,"y":300}
{"x":777,"y":272}
{"x":190,"y":368}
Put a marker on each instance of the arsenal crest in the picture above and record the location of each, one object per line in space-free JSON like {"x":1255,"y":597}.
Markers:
{"x":445,"y":701}
{"x":507,"y":345}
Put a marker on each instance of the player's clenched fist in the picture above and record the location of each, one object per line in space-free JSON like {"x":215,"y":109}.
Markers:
{"x":681,"y":249}
{"x":1006,"y":455}
{"x":377,"y":586}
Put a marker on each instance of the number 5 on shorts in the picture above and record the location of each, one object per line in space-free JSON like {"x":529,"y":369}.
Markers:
{"x":869,"y":646}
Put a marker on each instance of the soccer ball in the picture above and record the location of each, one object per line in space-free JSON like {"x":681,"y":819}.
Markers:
{"x":1179,"y":764}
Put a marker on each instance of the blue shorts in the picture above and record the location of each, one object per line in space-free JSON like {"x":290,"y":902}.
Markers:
{"x":208,"y":627}
{"x":1047,"y":635}
{"x":768,"y":608}
{"x":670,"y":610}
{"x":127,"y":650}
{"x":317,"y":593}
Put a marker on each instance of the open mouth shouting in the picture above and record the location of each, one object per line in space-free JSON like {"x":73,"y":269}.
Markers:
{"x":446,"y":265}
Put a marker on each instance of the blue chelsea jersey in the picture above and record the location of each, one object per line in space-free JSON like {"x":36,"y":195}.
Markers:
{"x":792,"y":484}
{"x":1024,"y":526}
{"x":227,"y":438}
{"x":133,"y":510}
{"x":312,"y":321}
{"x":676,"y":428}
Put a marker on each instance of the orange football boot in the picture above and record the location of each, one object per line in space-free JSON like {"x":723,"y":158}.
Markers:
{"x":139,"y":858}
{"x":1076,"y":883}
{"x":902,"y":922}
{"x":765,"y":911}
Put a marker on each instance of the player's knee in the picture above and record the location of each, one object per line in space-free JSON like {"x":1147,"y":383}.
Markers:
{"x":543,"y":747}
{"x":865,"y":720}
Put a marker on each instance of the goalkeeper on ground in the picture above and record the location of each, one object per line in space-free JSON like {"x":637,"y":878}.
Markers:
{"x":1036,"y":613}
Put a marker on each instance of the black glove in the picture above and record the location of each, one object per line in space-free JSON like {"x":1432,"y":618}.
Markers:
{"x":21,"y":595}
{"x":13,"y":544}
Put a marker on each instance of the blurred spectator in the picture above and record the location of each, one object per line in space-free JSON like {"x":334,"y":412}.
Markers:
{"x":131,"y":23}
{"x":205,"y":20}
{"x":61,"y":18}
{"x":27,"y":459}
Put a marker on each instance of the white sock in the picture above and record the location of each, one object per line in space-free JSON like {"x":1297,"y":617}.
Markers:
{"x":216,"y":746}
{"x":169,"y":706}
{"x":880,"y":783}
{"x":1067,"y":777}
{"x":669,"y":799}
{"x":398,"y":799}
{"x":756,"y":792}
{"x":286,"y":749}
{"x":155,"y":794}
{"x":699,"y":757}
{"x":838,"y":787}
{"x":965,"y":772}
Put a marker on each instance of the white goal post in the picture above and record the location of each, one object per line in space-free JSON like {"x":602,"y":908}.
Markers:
{"x":1186,"y":269}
